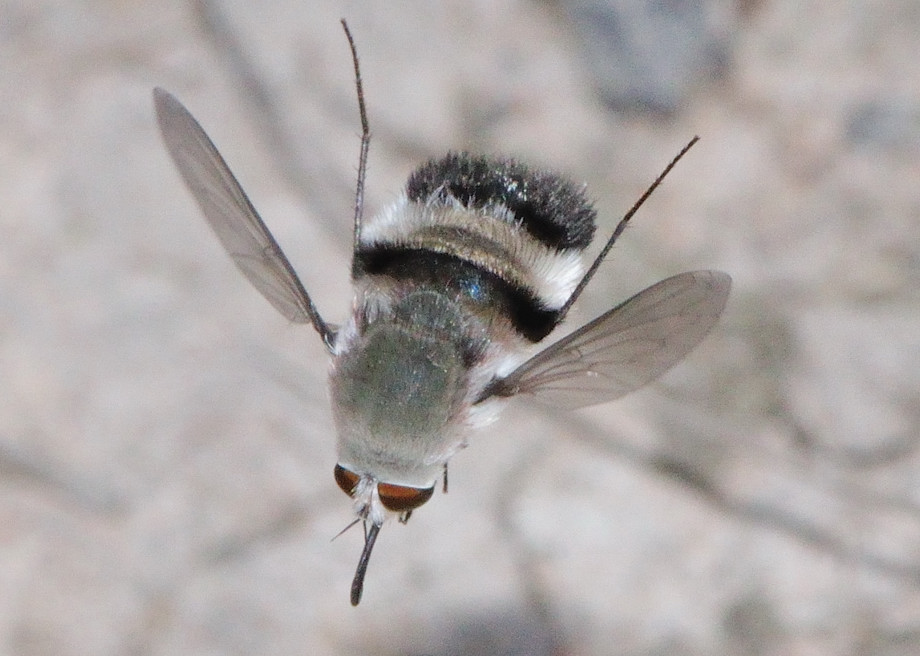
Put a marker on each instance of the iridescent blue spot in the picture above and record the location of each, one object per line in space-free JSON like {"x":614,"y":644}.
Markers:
{"x":474,"y":289}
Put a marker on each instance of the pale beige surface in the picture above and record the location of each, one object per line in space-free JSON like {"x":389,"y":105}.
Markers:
{"x":166,"y":449}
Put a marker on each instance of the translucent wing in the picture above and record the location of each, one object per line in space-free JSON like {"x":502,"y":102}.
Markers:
{"x":625,"y":348}
{"x":232,"y":216}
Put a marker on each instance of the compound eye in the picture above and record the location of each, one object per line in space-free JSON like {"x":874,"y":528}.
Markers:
{"x":400,"y":498}
{"x":347,"y":480}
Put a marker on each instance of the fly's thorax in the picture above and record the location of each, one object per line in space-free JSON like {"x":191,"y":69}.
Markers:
{"x":400,"y":385}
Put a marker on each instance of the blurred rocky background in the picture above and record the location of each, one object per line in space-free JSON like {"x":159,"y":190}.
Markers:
{"x":166,"y":447}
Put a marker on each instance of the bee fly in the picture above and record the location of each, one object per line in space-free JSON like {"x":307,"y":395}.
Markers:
{"x":477,"y":260}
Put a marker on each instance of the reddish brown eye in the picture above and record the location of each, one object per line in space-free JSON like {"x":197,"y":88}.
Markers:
{"x":401,"y":498}
{"x":347,"y":480}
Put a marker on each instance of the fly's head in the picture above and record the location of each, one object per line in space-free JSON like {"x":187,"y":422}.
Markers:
{"x":374,"y":501}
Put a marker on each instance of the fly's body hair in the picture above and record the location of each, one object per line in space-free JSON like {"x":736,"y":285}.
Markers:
{"x":476,"y":261}
{"x":550,"y":208}
{"x":475,"y":287}
{"x":501,"y":237}
{"x":492,"y":238}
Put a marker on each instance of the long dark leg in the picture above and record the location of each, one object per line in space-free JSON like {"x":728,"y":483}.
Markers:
{"x":365,"y":142}
{"x":619,"y":229}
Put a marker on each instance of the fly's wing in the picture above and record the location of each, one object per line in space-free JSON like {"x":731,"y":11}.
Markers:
{"x":232,"y":217}
{"x":625,"y":348}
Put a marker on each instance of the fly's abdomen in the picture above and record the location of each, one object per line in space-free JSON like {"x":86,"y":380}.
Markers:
{"x":551,"y":209}
{"x":499,"y":238}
